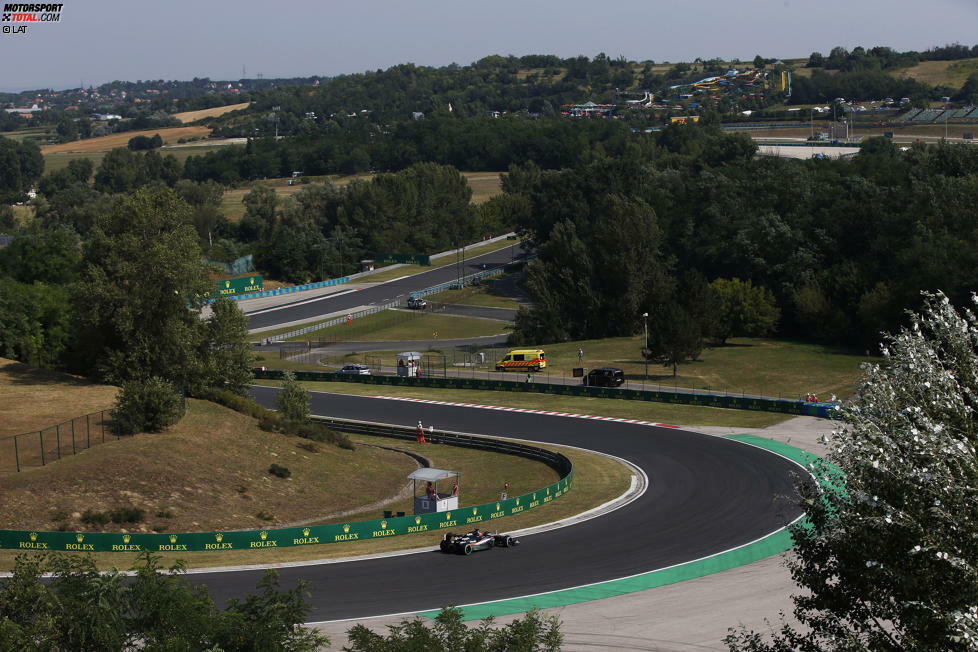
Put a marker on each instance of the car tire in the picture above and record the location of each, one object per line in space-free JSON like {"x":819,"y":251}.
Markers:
{"x":467,"y":550}
{"x":492,"y":543}
{"x":444,"y":545}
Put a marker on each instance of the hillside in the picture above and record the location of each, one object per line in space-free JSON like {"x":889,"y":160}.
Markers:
{"x":944,"y":73}
{"x":35,"y":398}
{"x":208,"y":472}
{"x":194,"y":116}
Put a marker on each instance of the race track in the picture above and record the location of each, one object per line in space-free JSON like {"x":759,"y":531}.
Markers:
{"x":309,"y":310}
{"x":705,"y":495}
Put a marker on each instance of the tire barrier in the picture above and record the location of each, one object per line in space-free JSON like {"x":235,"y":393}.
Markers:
{"x":754,"y":403}
{"x":400,"y":524}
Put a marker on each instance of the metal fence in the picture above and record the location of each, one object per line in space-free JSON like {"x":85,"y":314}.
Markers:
{"x":41,"y":447}
{"x":555,"y":385}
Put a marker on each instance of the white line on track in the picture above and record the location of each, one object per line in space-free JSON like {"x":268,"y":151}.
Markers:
{"x":525,"y":411}
{"x":300,"y":303}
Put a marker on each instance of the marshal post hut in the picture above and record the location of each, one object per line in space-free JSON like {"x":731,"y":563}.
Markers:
{"x":430,"y":500}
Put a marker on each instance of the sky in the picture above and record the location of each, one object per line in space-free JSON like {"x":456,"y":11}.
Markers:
{"x":97,"y":41}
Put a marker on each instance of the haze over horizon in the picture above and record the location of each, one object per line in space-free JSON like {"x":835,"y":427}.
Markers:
{"x":99,"y":41}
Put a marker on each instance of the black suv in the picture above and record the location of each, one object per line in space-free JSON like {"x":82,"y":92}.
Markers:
{"x":605,"y":377}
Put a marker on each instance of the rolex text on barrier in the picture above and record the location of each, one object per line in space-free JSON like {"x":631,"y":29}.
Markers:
{"x":24,"y":540}
{"x":235,"y":286}
{"x":407,"y":259}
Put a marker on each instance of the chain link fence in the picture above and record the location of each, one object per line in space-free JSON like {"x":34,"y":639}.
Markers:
{"x":41,"y":447}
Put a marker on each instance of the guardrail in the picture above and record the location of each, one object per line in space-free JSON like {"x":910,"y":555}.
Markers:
{"x":457,"y":283}
{"x":318,"y":534}
{"x":333,"y":322}
{"x":702,"y":399}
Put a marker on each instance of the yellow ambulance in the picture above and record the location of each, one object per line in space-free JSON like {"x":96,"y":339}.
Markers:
{"x":523,"y":360}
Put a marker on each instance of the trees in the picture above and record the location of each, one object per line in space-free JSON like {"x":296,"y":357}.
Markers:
{"x":141,"y":292}
{"x":36,"y":322}
{"x":532,"y":633}
{"x":744,"y":310}
{"x":292,"y":401}
{"x":20,"y":166}
{"x":82,"y":609}
{"x":226,"y":358}
{"x":145,"y":405}
{"x":887,"y":559}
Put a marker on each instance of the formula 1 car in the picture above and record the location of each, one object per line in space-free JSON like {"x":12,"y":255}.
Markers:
{"x":467,"y":543}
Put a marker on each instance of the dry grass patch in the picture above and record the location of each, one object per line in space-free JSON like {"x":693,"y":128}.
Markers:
{"x":106,"y":143}
{"x":597,"y":479}
{"x":194,"y":116}
{"x":484,"y":185}
{"x":949,"y":73}
{"x":36,"y":398}
{"x":208,"y":472}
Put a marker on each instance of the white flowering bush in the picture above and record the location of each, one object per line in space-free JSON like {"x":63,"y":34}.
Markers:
{"x":887,"y":559}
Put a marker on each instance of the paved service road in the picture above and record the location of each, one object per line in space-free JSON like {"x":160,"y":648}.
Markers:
{"x":705,"y":495}
{"x":299,"y":311}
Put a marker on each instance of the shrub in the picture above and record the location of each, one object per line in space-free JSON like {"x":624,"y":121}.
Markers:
{"x":308,"y":446}
{"x":265,"y":516}
{"x":279,"y":471}
{"x":241,"y":404}
{"x":164,"y":513}
{"x":127,"y":514}
{"x":145,"y":406}
{"x":271,"y":421}
{"x":293,"y":401}
{"x":94,"y":518}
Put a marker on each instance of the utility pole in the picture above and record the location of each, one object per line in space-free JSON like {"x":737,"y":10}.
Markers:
{"x":645,"y":353}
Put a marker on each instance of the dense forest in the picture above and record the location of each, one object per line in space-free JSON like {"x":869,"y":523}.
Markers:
{"x":684,"y":223}
{"x":843,"y":246}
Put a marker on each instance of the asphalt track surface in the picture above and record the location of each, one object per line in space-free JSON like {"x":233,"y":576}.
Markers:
{"x":380,"y":294}
{"x":705,"y":495}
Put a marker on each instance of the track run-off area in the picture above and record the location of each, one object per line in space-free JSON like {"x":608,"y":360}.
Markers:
{"x":710,"y":503}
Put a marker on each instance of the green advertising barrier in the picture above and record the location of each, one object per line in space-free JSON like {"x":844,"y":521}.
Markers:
{"x":234,"y":286}
{"x":783,"y":406}
{"x":463,"y":517}
{"x":409,"y":259}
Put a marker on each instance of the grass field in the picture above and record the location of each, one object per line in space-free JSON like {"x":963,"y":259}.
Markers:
{"x":482,"y":295}
{"x":57,"y":160}
{"x":106,"y":143}
{"x":35,"y":398}
{"x":193,"y":116}
{"x":774,"y":368}
{"x":396,"y":325}
{"x":948,"y":73}
{"x":23,"y":214}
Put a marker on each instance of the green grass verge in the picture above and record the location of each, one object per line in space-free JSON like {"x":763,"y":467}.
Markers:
{"x":396,"y":325}
{"x":775,"y":368}
{"x":482,"y":295}
{"x":654,"y":412}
